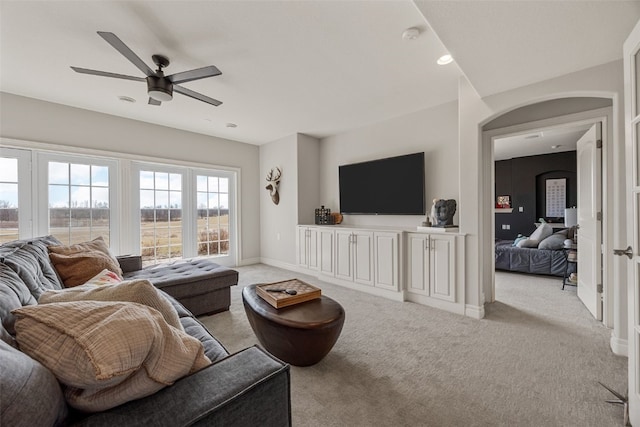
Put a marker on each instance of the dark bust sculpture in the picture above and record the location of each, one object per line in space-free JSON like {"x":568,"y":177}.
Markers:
{"x":445,"y":209}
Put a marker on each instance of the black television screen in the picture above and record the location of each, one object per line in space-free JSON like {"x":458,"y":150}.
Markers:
{"x":391,"y":186}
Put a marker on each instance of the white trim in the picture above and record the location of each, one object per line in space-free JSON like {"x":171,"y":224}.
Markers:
{"x":474,"y":311}
{"x":619,"y":346}
{"x":279,"y":264}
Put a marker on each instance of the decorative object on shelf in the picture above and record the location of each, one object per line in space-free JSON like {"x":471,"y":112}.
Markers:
{"x":337,"y":217}
{"x":323,"y":216}
{"x":503,"y":202}
{"x":445,"y":209}
{"x":273,"y":178}
{"x":432,"y":219}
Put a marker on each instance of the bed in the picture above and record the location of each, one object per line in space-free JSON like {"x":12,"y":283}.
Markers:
{"x":530,"y":260}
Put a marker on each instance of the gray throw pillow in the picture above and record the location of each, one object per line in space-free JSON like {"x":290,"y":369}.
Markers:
{"x":553,"y":242}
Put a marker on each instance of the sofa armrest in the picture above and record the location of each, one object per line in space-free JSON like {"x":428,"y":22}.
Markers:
{"x":248,"y":388}
{"x":129,"y":263}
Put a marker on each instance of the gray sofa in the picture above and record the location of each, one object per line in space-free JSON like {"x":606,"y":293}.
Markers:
{"x":247,"y":388}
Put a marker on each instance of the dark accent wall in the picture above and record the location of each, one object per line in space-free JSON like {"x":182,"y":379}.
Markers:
{"x":524,"y":179}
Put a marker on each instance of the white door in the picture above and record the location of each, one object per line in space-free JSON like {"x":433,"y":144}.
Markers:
{"x":632,"y":136}
{"x":590,"y":226}
{"x":343,"y":255}
{"x":418,"y":264}
{"x":442,"y":267}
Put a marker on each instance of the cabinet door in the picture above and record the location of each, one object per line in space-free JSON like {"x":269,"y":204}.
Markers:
{"x":442,"y":272}
{"x":302,"y":247}
{"x":343,"y":255}
{"x":363,"y":257}
{"x":326,"y":241}
{"x":313,"y":244}
{"x":418,"y":263}
{"x":386,"y":260}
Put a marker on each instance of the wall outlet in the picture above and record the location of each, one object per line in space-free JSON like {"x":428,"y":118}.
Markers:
{"x":277,"y":236}
{"x":508,"y":226}
{"x":520,"y":209}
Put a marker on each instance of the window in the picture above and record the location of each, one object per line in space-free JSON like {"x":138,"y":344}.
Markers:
{"x":15,"y":194}
{"x":161,"y":227}
{"x":8,"y":199}
{"x":78,"y":201}
{"x":213,"y":215}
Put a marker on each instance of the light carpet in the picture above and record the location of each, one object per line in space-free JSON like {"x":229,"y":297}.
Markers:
{"x":534,"y":360}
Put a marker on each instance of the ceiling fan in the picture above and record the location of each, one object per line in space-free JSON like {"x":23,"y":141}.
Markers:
{"x":159,"y":86}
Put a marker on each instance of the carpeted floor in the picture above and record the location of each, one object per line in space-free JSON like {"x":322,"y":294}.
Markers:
{"x":535,"y":360}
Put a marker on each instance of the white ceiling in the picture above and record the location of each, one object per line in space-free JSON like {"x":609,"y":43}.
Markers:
{"x":314,"y":67}
{"x":554,"y":140}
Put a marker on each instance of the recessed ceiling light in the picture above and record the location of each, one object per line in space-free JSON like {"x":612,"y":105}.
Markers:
{"x":126,"y":99}
{"x":411,"y":33}
{"x":556,"y":146}
{"x":445,"y":59}
{"x":231,"y":125}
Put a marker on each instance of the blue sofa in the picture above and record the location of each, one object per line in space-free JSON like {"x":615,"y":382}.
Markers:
{"x":247,"y":388}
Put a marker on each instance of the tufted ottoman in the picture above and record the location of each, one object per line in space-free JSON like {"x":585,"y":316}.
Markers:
{"x":202,"y":286}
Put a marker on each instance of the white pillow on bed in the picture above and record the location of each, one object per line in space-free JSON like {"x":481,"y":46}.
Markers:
{"x":543,"y":231}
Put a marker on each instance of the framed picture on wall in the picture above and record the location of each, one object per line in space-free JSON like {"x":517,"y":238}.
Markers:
{"x":503,"y":202}
{"x":556,"y":197}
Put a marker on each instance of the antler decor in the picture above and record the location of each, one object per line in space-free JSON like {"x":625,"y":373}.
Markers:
{"x":273,"y":178}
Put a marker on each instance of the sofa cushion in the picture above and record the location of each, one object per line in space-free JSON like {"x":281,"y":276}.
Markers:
{"x":31,"y":262}
{"x":107,"y":353}
{"x":13,"y":294}
{"x":139,"y":291}
{"x":30,"y":395}
{"x":78,"y":263}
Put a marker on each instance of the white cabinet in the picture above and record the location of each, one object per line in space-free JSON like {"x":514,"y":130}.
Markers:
{"x":354,"y":256}
{"x":326,"y":241}
{"x":431,"y":266}
{"x":308,"y":247}
{"x":385,"y":260}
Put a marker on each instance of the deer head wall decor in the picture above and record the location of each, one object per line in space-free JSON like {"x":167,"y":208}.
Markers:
{"x":273,"y":178}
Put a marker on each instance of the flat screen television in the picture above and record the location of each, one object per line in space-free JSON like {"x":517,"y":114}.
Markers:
{"x":391,"y":186}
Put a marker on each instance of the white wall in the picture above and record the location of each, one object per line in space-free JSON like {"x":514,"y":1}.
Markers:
{"x":44,"y":122}
{"x":433,"y":130}
{"x":277,"y":222}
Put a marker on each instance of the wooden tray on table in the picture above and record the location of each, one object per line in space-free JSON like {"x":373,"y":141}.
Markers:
{"x":304,"y":292}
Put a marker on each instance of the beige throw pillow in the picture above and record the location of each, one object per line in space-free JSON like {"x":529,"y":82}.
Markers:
{"x":78,"y":263}
{"x":139,"y":291}
{"x":107,"y":353}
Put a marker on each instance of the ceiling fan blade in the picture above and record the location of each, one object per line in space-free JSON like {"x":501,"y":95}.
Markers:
{"x":119,"y":45}
{"x":199,"y":73}
{"x":196,"y":95}
{"x":106,"y":74}
{"x":154,"y":101}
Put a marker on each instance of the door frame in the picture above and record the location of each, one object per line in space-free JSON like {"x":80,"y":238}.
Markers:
{"x":603,"y":115}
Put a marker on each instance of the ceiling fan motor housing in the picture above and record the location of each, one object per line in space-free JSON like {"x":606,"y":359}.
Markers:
{"x":159,"y":88}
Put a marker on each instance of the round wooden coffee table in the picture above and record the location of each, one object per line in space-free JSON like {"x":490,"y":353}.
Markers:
{"x":301,"y":334}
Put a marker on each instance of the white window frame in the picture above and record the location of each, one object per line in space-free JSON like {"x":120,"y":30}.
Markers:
{"x":42,"y":159}
{"x":25,"y":207}
{"x":189,"y":208}
{"x":231,"y":257}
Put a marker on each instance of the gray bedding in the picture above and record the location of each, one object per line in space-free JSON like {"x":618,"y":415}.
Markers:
{"x":530,"y":260}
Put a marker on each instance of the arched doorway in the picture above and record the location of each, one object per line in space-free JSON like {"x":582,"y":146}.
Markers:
{"x":544,"y":116}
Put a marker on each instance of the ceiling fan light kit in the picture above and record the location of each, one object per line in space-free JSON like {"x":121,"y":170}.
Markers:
{"x":159,"y":87}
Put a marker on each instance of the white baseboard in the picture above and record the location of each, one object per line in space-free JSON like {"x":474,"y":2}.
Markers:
{"x":474,"y":311}
{"x":248,"y":261}
{"x":619,"y":346}
{"x":279,"y":264}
